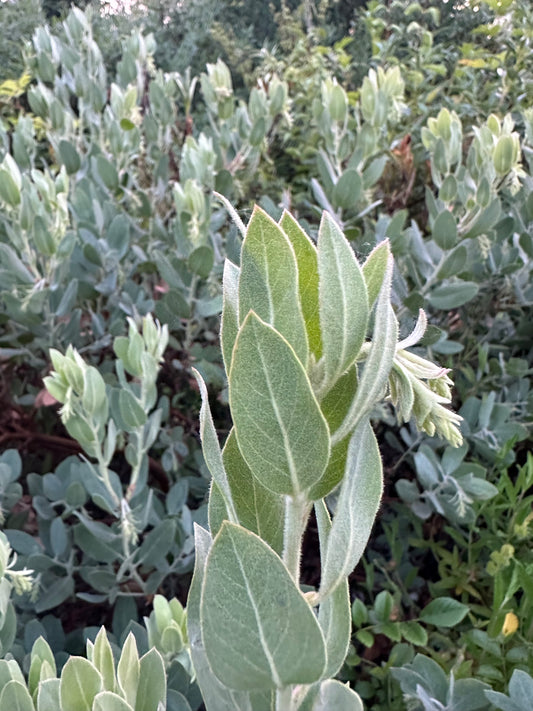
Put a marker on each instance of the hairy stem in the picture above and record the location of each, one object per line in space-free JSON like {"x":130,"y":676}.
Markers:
{"x":296,"y":514}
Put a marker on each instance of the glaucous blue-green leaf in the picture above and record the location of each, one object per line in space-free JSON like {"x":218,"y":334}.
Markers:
{"x":128,"y":670}
{"x":520,"y":693}
{"x":488,"y":217}
{"x":211,"y":449}
{"x":451,"y":295}
{"x":229,"y":326}
{"x":258,"y":509}
{"x":107,"y":172}
{"x":58,"y":592}
{"x":108,"y":701}
{"x":454,"y":263}
{"x":343,"y":301}
{"x":426,"y":673}
{"x":48,"y":695}
{"x":131,"y":410}
{"x":157,"y":543}
{"x":177,"y":702}
{"x":201,"y":261}
{"x":10,"y":671}
{"x":40,"y":652}
{"x":335,"y":406}
{"x":69,"y":156}
{"x":469,"y":695}
{"x":445,"y":230}
{"x":335,"y":695}
{"x":152,"y":688}
{"x":280,"y":429}
{"x":378,"y":364}
{"x":80,"y":682}
{"x":332,"y":695}
{"x":258,"y":630}
{"x":334,"y":615}
{"x":215,"y":695}
{"x":268,"y":283}
{"x":217,"y":512}
{"x":103,"y":660}
{"x":16,"y":697}
{"x":347,"y":189}
{"x":356,"y":510}
{"x":374,"y":270}
{"x":307,"y":261}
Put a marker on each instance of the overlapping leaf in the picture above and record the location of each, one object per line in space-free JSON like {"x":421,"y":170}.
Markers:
{"x":280,"y":429}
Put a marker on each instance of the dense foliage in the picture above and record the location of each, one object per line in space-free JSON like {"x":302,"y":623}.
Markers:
{"x":132,"y":151}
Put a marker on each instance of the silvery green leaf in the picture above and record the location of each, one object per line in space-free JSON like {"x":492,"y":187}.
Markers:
{"x":108,"y":701}
{"x":520,"y":690}
{"x":211,"y":449}
{"x":229,"y":326}
{"x":216,"y":696}
{"x":374,"y":270}
{"x":259,"y":510}
{"x":343,"y":301}
{"x":331,"y":695}
{"x":280,"y":429}
{"x":307,"y":261}
{"x":258,"y":630}
{"x":157,"y":543}
{"x":48,"y":695}
{"x":94,"y":395}
{"x":335,"y":406}
{"x":268,"y":283}
{"x":217,"y":512}
{"x":10,"y":671}
{"x":469,"y":695}
{"x":444,"y":230}
{"x":16,"y":697}
{"x":152,"y":688}
{"x":131,"y":410}
{"x":103,"y":660}
{"x":357,"y":506}
{"x":334,"y":615}
{"x":377,"y":367}
{"x":128,"y":670}
{"x":80,"y":682}
{"x":40,"y":653}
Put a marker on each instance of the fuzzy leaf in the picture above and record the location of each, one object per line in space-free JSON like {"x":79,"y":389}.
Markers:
{"x":211,"y":449}
{"x":152,"y":688}
{"x":357,"y":506}
{"x":280,"y":429}
{"x":307,"y":260}
{"x":80,"y":682}
{"x":258,"y":509}
{"x":216,"y":696}
{"x":268,"y":283}
{"x":374,"y":270}
{"x":258,"y":630}
{"x":128,"y":670}
{"x":378,"y":364}
{"x":108,"y":701}
{"x":229,"y":326}
{"x":334,"y":615}
{"x":343,"y":301}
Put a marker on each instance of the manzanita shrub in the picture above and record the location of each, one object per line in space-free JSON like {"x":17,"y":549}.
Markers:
{"x":303,"y":380}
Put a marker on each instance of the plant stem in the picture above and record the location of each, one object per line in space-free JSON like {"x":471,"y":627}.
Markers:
{"x":284,"y":699}
{"x":296,"y":514}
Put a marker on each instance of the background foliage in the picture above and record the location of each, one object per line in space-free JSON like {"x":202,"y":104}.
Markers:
{"x":403,"y":121}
